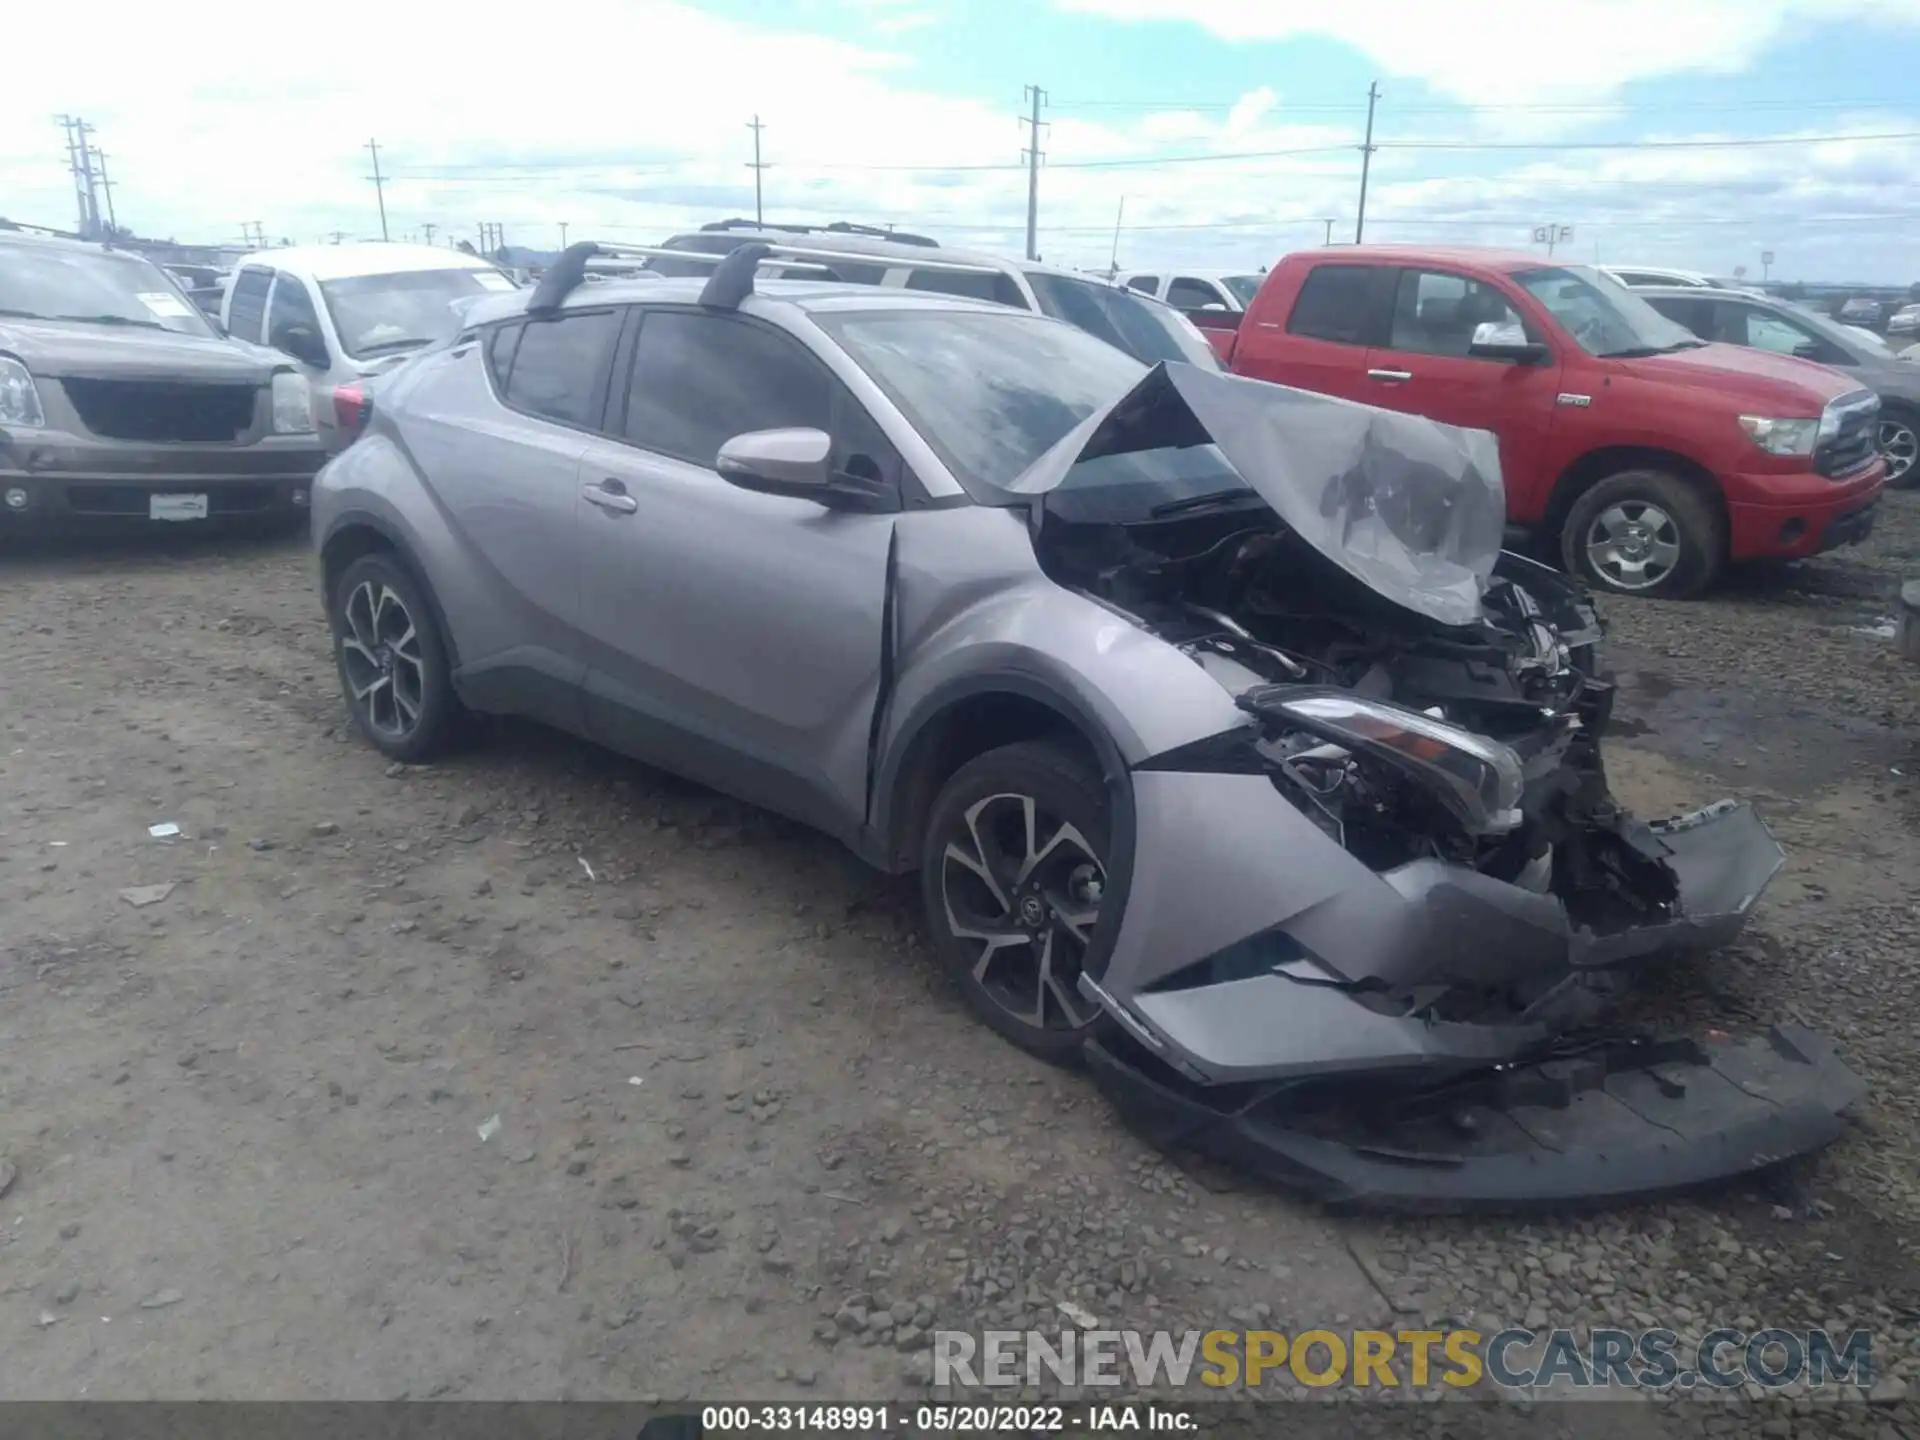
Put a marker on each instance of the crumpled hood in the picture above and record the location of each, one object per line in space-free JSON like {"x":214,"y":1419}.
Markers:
{"x":1410,"y":507}
{"x":57,"y":348}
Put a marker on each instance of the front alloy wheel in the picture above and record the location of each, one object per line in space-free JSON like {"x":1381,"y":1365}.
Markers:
{"x":381,"y":660}
{"x":1014,"y":875}
{"x":1900,"y":446}
{"x":1633,"y":544}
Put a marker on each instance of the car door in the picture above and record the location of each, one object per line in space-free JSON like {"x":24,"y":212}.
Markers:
{"x":1424,"y":368}
{"x":502,"y":435}
{"x":1336,"y":316}
{"x":246,"y":304}
{"x":731,"y":636}
{"x":1186,"y":292}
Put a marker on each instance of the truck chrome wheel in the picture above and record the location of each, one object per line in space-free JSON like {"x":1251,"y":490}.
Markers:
{"x":1634,"y":544}
{"x":1900,"y":447}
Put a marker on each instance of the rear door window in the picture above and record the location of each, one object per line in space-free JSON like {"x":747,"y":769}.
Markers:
{"x":1145,"y":284}
{"x":996,"y":287}
{"x":1697,"y":315}
{"x":559,"y":366}
{"x":1340,"y":303}
{"x":1187,"y":293}
{"x":247,"y":310}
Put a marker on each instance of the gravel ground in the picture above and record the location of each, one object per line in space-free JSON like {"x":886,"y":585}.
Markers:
{"x":538,"y":1074}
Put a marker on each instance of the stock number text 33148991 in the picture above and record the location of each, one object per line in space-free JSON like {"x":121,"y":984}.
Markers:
{"x":882,"y":1419}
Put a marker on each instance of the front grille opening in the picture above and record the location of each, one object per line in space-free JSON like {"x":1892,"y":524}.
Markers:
{"x":162,"y":409}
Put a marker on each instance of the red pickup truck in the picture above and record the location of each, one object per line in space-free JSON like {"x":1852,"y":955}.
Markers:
{"x":1644,"y":458}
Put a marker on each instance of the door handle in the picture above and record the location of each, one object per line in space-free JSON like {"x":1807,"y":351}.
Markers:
{"x":1389,"y":374}
{"x":611,"y":495}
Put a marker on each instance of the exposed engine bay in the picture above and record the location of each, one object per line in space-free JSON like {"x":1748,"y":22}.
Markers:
{"x":1509,"y":780}
{"x":1402,"y":994}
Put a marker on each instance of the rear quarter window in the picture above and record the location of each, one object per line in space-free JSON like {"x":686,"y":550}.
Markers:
{"x":996,"y":287}
{"x":1337,"y":303}
{"x":559,"y":366}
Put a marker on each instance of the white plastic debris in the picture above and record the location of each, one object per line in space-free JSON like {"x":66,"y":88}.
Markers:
{"x":58,"y":844}
{"x":489,"y":1128}
{"x":586,"y":867}
{"x":140,"y":896}
{"x":635,"y":1080}
{"x":165,"y":830}
{"x":1082,"y":1317}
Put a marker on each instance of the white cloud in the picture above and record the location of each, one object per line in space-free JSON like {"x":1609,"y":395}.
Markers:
{"x":633,"y":126}
{"x":1486,"y":52}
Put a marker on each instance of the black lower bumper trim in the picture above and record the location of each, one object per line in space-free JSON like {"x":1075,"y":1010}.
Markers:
{"x":1851,"y":527}
{"x":1606,"y":1125}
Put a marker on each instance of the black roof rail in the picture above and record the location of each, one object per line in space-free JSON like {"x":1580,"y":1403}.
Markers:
{"x":733,"y":274}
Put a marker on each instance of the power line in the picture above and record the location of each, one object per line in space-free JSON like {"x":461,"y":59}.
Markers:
{"x":1348,"y":107}
{"x":1744,"y":143}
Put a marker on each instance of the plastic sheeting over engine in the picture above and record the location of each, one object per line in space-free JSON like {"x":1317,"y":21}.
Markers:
{"x":1410,"y":507}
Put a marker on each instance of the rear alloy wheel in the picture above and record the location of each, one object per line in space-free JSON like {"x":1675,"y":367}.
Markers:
{"x":1900,"y":447}
{"x":1644,"y":532}
{"x":1013,"y":875}
{"x":392,"y":661}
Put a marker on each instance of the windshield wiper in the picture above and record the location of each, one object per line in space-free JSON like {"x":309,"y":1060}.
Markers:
{"x":110,"y":320}
{"x":1200,"y":502}
{"x":1640,"y":352}
{"x":410,"y":342}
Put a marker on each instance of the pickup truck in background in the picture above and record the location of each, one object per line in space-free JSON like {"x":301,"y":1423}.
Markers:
{"x":1643,"y":458}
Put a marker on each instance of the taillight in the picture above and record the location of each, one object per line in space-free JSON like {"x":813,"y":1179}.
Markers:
{"x":352,"y":408}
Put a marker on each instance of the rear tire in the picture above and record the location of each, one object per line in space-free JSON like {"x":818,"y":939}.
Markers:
{"x":1900,"y":446}
{"x":1646,"y":533}
{"x":392,"y":661}
{"x":1012,"y":871}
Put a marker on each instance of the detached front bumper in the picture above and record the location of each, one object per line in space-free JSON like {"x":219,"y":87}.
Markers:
{"x":1422,"y":1038}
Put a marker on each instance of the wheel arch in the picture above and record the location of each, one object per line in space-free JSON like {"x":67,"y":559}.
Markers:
{"x":968,"y":717}
{"x":1596,"y":465}
{"x":355,"y":534}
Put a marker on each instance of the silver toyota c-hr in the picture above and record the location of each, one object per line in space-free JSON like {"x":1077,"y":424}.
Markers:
{"x":1235,"y":756}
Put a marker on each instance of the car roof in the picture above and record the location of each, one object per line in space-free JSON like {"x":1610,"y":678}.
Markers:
{"x":805,"y":296}
{"x":910,"y":256}
{"x":1693,"y":292}
{"x":371,"y":257}
{"x":1487,"y":257}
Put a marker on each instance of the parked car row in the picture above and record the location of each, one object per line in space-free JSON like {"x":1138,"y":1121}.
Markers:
{"x":1233,"y":755}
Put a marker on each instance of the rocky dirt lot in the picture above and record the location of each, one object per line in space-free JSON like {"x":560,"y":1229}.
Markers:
{"x":537,"y":1074}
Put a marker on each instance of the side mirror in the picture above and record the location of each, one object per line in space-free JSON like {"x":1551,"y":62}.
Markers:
{"x":1213,"y":305}
{"x":1493,"y":341}
{"x":303,"y":343}
{"x":794,"y":462}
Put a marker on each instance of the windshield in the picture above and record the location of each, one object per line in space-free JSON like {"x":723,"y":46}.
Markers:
{"x":1602,"y":315}
{"x":385,"y":314}
{"x":1244,"y":287}
{"x":100,"y":287}
{"x":990,"y":393}
{"x":1844,"y":336}
{"x":1145,"y":329}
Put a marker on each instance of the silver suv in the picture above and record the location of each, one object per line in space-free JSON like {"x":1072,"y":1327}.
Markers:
{"x":1234,"y":756}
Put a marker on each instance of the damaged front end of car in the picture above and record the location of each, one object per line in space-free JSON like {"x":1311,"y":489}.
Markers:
{"x":1376,"y":935}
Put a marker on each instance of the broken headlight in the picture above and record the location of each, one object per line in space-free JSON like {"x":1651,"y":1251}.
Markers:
{"x":1477,"y":780}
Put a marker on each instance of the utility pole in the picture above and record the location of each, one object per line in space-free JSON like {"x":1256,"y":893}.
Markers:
{"x":1366,"y":164}
{"x":1113,"y":264}
{"x":563,"y":234}
{"x":379,"y":186}
{"x":1038,"y":97}
{"x":337,"y":235}
{"x":757,"y":165}
{"x":427,"y":227}
{"x":113,"y":224}
{"x":1327,"y":220}
{"x":80,"y":165}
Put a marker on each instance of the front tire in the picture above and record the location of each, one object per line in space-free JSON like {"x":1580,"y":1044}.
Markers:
{"x":1647,"y":533}
{"x":1900,"y":446}
{"x":392,"y":661}
{"x":1013,"y":869}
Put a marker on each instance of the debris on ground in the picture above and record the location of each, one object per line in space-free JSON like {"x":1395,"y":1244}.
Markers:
{"x":141,"y":896}
{"x":489,"y":1128}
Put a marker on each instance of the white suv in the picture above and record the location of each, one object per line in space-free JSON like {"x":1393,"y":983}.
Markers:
{"x":346,"y":312}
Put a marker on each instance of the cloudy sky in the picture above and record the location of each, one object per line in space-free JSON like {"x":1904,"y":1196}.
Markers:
{"x":1228,"y":128}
